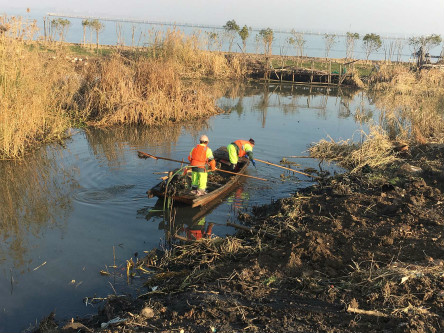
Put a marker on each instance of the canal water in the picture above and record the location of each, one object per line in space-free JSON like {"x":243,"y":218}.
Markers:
{"x":70,"y":211}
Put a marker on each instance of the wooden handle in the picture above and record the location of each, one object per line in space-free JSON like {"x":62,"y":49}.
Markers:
{"x":280,"y":166}
{"x":241,"y":174}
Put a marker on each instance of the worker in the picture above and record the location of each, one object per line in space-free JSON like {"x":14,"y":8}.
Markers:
{"x":240,"y":148}
{"x":199,"y":157}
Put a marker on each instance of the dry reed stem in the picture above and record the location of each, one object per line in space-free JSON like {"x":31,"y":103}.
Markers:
{"x":34,"y":88}
{"x":375,"y":151}
{"x":42,"y":93}
{"x":394,"y":284}
{"x":146,"y":92}
{"x":411,"y":103}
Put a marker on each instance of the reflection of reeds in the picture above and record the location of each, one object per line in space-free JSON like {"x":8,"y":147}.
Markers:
{"x":103,"y":140}
{"x":32,"y":197}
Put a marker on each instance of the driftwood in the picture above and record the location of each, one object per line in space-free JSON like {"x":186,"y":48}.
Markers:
{"x":366,"y":312}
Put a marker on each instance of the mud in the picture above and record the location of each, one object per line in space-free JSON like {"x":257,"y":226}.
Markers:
{"x":355,"y":253}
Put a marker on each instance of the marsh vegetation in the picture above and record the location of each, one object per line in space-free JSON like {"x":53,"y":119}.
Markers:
{"x":390,"y":203}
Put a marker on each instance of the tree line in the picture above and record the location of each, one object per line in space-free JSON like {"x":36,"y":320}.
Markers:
{"x":371,"y":42}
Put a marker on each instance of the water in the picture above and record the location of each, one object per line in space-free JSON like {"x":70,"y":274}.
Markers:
{"x":394,"y":48}
{"x":70,"y":211}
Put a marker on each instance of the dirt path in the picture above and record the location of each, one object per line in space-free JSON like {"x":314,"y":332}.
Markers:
{"x":355,"y":253}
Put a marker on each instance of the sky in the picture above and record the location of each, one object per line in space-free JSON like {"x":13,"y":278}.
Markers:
{"x":390,"y":17}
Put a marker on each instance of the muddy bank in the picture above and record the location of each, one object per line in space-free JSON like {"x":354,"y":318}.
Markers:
{"x":355,"y":253}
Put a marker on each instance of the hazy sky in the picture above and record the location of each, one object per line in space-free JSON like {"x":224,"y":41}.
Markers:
{"x":399,"y":17}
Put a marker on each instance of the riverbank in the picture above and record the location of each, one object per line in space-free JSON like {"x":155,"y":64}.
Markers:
{"x":357,"y":252}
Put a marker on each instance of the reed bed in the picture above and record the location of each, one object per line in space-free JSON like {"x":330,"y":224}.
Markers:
{"x":34,"y":88}
{"x":43,"y":91}
{"x":190,"y":58}
{"x":411,"y":103}
{"x":144,"y":92}
{"x":412,"y":112}
{"x":375,"y":151}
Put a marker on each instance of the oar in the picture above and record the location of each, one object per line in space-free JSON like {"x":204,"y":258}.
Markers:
{"x":280,"y":166}
{"x":142,"y":154}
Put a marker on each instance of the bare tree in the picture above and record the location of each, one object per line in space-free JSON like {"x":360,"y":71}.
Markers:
{"x":231,"y":29}
{"x":267,"y":40}
{"x":426,"y":42}
{"x":120,"y":35}
{"x":389,"y":49}
{"x":350,"y":41}
{"x":244,"y":33}
{"x":399,"y":46}
{"x":330,"y":40}
{"x":212,"y":39}
{"x":298,"y":42}
{"x":60,"y":26}
{"x":85,"y":24}
{"x":97,"y":26}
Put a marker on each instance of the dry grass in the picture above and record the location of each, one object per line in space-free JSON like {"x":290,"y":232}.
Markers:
{"x":43,"y":92}
{"x":33,"y":89}
{"x":401,"y":288}
{"x":375,"y":151}
{"x":144,"y":91}
{"x":411,"y":103}
{"x":190,"y":60}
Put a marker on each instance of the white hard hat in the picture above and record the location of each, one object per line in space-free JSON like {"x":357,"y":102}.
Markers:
{"x":204,"y":138}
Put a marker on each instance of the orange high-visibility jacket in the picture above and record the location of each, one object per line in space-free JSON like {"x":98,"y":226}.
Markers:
{"x":198,"y":156}
{"x":241,"y":145}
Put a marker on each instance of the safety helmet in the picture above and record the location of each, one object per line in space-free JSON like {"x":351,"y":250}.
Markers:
{"x":251,"y":141}
{"x":204,"y":138}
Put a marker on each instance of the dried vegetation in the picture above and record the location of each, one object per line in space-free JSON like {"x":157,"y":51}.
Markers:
{"x":45,"y":90}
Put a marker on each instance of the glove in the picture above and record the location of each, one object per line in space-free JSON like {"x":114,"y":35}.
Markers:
{"x":254,"y":163}
{"x":213,"y":165}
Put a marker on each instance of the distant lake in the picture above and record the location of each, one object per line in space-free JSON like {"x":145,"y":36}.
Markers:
{"x":395,"y":48}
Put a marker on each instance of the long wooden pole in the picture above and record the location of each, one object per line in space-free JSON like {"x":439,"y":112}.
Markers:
{"x":240,"y":174}
{"x":142,"y":154}
{"x":280,"y":166}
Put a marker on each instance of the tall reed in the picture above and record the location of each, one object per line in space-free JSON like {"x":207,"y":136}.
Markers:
{"x":143,"y":91}
{"x":411,"y":103}
{"x":376,"y":150}
{"x":190,"y":58}
{"x":33,"y":88}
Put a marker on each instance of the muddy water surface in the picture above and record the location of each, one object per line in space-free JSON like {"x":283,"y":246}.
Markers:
{"x":69,"y":212}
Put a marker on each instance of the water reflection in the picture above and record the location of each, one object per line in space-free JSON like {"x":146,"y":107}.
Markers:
{"x":34,"y":195}
{"x":111,"y":143}
{"x":85,"y":207}
{"x":292,"y":99}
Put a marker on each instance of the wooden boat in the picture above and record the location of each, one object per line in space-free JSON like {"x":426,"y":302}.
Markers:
{"x":225,"y":183}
